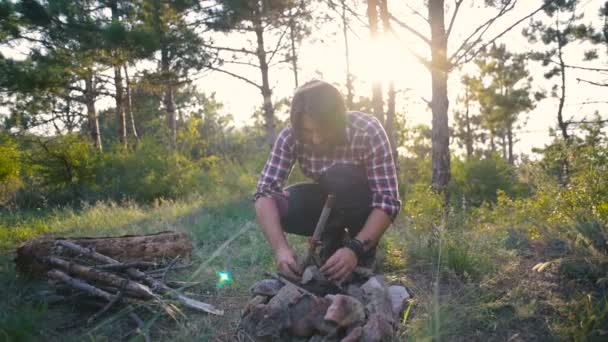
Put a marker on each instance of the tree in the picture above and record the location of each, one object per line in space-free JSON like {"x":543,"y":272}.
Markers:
{"x":265,"y":21}
{"x":467,"y":125}
{"x":502,"y":90}
{"x":442,"y":63}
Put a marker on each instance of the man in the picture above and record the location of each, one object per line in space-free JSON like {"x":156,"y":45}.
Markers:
{"x":347,"y":155}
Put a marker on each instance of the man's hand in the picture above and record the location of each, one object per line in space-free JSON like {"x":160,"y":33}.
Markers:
{"x":340,"y":265}
{"x":287,"y":263}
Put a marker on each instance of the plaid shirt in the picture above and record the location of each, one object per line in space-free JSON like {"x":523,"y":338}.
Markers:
{"x":367,"y":145}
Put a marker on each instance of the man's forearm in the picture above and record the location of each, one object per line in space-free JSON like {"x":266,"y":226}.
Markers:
{"x":268,"y":218}
{"x":375,"y":226}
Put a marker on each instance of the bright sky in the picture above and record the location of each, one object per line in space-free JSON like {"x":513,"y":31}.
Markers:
{"x":322,"y":56}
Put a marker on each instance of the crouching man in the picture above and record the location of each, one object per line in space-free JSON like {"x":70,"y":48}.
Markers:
{"x":346,"y":154}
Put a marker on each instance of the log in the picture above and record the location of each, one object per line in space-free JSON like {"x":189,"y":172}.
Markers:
{"x":127,"y":248}
{"x":80,"y":285}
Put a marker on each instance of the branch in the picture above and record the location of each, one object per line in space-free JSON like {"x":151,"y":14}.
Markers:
{"x":223,"y":48}
{"x":416,"y":12}
{"x":593,"y":83}
{"x":483,"y":28}
{"x":411,"y":29}
{"x":474,"y":54}
{"x":458,"y":3}
{"x":580,"y":67}
{"x":278,"y":46}
{"x":242,"y":78}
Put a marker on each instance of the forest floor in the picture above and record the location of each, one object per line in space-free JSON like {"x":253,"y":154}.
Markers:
{"x":511,"y":303}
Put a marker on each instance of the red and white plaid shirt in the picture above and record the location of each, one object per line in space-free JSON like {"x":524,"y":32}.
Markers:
{"x":367,"y":145}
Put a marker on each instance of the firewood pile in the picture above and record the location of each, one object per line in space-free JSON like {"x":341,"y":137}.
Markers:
{"x":74,"y":271}
{"x":367,"y":309}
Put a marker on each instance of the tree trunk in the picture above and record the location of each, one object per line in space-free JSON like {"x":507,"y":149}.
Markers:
{"x":510,"y":143}
{"x":266,"y":91}
{"x":503,"y":143}
{"x":563,"y":125}
{"x":469,"y":134}
{"x":377,"y":101}
{"x":349,"y":77}
{"x":120,"y":114}
{"x":390,"y":121}
{"x":123,"y":248}
{"x":129,"y":104}
{"x":294,"y":54}
{"x":90,"y":97}
{"x":168,"y":97}
{"x":439,"y":102}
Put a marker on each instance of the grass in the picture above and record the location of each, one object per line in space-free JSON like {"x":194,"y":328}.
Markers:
{"x":469,"y":284}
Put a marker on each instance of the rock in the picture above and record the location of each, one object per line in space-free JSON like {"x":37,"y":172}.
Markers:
{"x":264,"y":322}
{"x":354,"y":335}
{"x":345,"y":310}
{"x":287,"y":295}
{"x":376,"y":329}
{"x":356,"y":292}
{"x":373,"y":284}
{"x":266,"y":287}
{"x":377,"y":298}
{"x":306,"y":316}
{"x":397,"y":294}
{"x":253,"y":302}
{"x":312,"y":273}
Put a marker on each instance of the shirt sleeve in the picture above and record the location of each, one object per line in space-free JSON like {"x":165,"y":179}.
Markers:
{"x":278,"y":166}
{"x":381,"y":171}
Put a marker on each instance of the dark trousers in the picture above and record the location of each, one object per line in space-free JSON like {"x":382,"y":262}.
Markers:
{"x":301,"y":204}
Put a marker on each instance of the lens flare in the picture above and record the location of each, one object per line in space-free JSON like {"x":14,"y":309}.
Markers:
{"x":224,"y":278}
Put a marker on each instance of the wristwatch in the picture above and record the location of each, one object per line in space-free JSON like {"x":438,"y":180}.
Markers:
{"x":356,"y":246}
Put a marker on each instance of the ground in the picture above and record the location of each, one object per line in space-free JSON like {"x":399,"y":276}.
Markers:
{"x":511,"y":303}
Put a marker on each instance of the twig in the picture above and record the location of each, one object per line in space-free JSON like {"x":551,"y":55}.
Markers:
{"x":86,"y":252}
{"x":103,"y":310}
{"x":284,"y":279}
{"x":125,"y":265}
{"x":80,"y":285}
{"x":171,"y":264}
{"x":140,"y":326}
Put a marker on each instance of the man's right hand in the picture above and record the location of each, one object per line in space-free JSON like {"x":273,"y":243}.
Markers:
{"x":287,"y":263}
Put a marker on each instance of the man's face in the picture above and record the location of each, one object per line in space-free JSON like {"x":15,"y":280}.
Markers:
{"x":313,"y":134}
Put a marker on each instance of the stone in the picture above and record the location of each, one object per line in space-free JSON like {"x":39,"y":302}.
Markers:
{"x":354,"y":335}
{"x":287,"y":296}
{"x":377,"y":298}
{"x":255,"y":301}
{"x":264,"y":322}
{"x":266,"y":287}
{"x":356,"y":292}
{"x":306,"y":316}
{"x":373,"y":284}
{"x":312,"y":273}
{"x":345,"y":310}
{"x":398,"y":295}
{"x":376,"y":329}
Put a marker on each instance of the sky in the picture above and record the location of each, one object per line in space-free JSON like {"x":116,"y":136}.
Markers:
{"x":322,"y":56}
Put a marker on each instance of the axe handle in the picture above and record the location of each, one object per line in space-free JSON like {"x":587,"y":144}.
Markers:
{"x":329,"y":203}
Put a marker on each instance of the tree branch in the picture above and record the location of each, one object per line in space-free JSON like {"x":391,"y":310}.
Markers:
{"x":278,"y":46}
{"x":592,"y":83}
{"x":474,"y":54}
{"x":223,"y":48}
{"x":453,"y":20}
{"x":242,"y":78}
{"x":580,"y":67}
{"x":411,"y":29}
{"x":483,"y":28}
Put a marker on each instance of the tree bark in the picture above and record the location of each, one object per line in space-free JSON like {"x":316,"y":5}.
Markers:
{"x":439,"y":102}
{"x":120,"y":114}
{"x":349,"y":77}
{"x":377,"y":101}
{"x":268,"y":107}
{"x":168,"y":97}
{"x":124,"y":248}
{"x":129,"y":103}
{"x":469,"y":134}
{"x":90,"y":97}
{"x":294,"y":54}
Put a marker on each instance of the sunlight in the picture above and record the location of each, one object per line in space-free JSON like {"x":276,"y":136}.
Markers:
{"x":381,"y":60}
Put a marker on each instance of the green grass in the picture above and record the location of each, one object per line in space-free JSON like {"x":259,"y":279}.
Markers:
{"x":470,"y":283}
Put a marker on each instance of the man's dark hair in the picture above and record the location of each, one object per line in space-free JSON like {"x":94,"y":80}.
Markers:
{"x":323,"y":104}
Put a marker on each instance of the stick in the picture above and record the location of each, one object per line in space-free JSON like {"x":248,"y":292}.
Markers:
{"x":86,"y":252}
{"x":123,"y":266}
{"x":140,"y":326}
{"x":284,"y":279}
{"x":156,"y":286}
{"x":108,"y":306}
{"x":80,"y":285}
{"x":171,"y":264}
{"x":100,"y":276}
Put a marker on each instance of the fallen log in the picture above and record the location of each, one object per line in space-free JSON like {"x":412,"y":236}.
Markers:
{"x":127,"y":248}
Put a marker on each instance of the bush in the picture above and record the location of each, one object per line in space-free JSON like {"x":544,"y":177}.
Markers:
{"x":10,"y":180}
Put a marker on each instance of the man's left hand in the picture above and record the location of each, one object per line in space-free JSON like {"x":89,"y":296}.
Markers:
{"x":340,"y":265}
